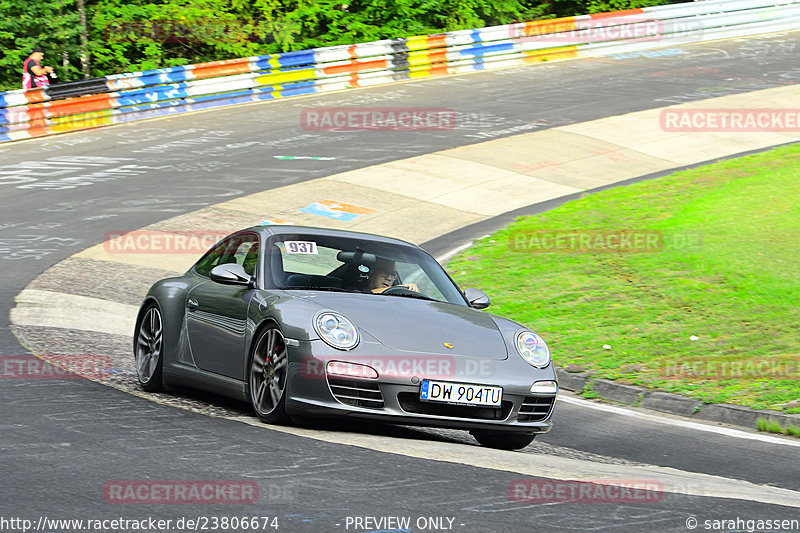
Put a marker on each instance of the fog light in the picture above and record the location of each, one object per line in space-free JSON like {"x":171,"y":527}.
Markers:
{"x":545,"y":387}
{"x":351,"y":370}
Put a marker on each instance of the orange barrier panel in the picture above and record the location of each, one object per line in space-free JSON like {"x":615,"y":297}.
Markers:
{"x":621,"y":13}
{"x":356,"y":66}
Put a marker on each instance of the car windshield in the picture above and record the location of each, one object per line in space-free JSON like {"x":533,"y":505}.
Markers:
{"x":352,"y":264}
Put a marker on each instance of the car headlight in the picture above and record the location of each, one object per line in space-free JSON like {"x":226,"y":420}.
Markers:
{"x":336,"y":330}
{"x":533,"y":349}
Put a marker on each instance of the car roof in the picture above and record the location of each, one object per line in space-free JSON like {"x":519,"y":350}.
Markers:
{"x":283,"y":229}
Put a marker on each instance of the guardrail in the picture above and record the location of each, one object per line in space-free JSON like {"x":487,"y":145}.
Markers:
{"x":121,"y":98}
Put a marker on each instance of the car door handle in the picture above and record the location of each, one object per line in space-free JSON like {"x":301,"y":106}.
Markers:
{"x":192,"y":304}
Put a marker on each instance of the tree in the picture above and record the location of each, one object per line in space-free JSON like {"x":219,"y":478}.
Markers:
{"x":51,"y":25}
{"x":100,"y":37}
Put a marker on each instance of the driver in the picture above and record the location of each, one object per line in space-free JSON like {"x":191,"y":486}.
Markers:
{"x":384,"y":276}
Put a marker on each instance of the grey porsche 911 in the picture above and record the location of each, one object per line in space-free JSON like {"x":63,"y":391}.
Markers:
{"x":311,"y":322}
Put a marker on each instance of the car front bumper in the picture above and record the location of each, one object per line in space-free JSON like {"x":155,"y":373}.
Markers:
{"x":395,"y":397}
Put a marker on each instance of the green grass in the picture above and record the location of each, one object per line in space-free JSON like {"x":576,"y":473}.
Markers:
{"x":728,"y":272}
{"x":588,"y":391}
{"x":773,"y":426}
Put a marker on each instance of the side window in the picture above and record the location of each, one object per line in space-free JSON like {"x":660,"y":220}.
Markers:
{"x":212,"y":259}
{"x":241,"y":249}
{"x":247,"y":255}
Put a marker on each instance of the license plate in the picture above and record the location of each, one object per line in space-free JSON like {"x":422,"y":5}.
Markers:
{"x":460,"y":393}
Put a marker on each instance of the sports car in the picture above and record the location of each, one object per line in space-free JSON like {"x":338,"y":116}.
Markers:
{"x":311,"y":322}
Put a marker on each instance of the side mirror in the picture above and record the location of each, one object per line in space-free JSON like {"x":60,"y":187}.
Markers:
{"x":477,"y":299}
{"x":230,"y":274}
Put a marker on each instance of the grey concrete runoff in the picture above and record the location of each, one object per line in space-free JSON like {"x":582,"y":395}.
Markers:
{"x":665,"y":402}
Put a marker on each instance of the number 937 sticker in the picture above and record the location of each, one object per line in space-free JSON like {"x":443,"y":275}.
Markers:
{"x":301,"y":247}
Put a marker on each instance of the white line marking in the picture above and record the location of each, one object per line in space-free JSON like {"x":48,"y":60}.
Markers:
{"x":43,"y":308}
{"x":729,"y":432}
{"x":447,"y":256}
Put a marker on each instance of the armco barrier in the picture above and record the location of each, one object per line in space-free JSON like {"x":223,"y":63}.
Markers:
{"x":133,"y":96}
{"x":77,"y":88}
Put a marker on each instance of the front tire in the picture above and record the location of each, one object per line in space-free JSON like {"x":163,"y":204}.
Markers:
{"x":266,"y":377}
{"x":502,"y":440}
{"x":149,"y":349}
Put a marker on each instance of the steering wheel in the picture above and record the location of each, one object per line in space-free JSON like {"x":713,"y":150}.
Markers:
{"x":398,"y":289}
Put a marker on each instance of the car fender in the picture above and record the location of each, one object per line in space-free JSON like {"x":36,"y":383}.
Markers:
{"x":509,"y":329}
{"x":170,"y":296}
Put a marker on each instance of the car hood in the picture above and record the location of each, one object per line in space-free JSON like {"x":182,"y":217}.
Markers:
{"x":419,"y":326}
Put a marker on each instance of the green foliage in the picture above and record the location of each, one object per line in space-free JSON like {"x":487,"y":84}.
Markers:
{"x":51,"y":25}
{"x":129,"y":36}
{"x":588,"y":391}
{"x":329,"y":22}
{"x":583,"y":7}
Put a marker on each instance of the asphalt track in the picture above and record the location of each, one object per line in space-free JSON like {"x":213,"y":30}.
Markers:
{"x":62,"y":440}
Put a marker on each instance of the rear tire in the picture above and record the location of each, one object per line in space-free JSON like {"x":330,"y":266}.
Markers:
{"x":148,"y":350}
{"x":502,"y":440}
{"x":266,"y":377}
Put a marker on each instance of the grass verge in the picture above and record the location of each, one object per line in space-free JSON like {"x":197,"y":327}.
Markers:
{"x":772,"y":426}
{"x":688,"y":283}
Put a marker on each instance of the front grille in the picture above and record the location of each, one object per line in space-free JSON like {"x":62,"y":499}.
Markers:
{"x":410,"y":403}
{"x":357,"y":393}
{"x":535,"y":408}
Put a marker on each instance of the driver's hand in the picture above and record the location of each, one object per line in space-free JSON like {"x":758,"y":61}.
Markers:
{"x":410,"y":286}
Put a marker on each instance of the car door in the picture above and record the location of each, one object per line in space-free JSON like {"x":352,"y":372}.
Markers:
{"x":216,"y":314}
